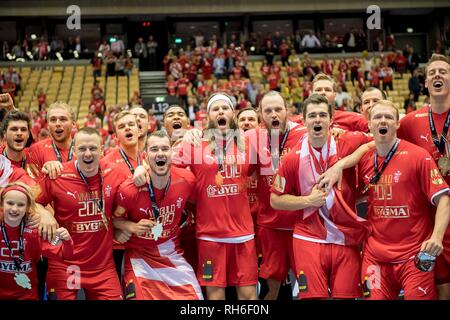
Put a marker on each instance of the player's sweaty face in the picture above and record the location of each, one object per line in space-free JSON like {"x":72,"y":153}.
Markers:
{"x":383,"y":123}
{"x":159,"y":155}
{"x":274,"y":113}
{"x":142,"y":120}
{"x":220,"y":114}
{"x":248,"y":120}
{"x":368,"y":99}
{"x":175,"y":122}
{"x":88,"y":150}
{"x":317,"y":120}
{"x":17,"y":135}
{"x":438,"y":78}
{"x":59,"y":124}
{"x":127,"y":130}
{"x":325,"y":88}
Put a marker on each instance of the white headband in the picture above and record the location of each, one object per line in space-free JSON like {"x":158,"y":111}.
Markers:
{"x":218,"y":97}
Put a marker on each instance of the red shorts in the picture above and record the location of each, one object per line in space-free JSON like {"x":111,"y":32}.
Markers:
{"x":385,"y":280}
{"x":188,"y":243}
{"x":227,"y":264}
{"x":100,"y":284}
{"x":275,"y":246}
{"x":327,"y":266}
{"x":442,"y":268}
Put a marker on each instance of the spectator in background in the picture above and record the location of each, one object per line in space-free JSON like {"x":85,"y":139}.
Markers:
{"x":110,"y":61}
{"x":386,"y":75}
{"x":176,"y":69}
{"x":340,"y":97}
{"x":56,"y":46}
{"x":310,"y":41}
{"x":117,"y":47}
{"x":297,"y":40}
{"x":410,"y":105}
{"x":14,"y":77}
{"x":136,"y":99}
{"x":5,"y":50}
{"x":283,"y":50}
{"x":96,"y":63}
{"x":219,"y":64}
{"x":414,"y":85}
{"x":400,"y":63}
{"x":128,"y":65}
{"x":350,"y":41}
{"x":199,"y":39}
{"x":152,"y":45}
{"x":413,"y":59}
{"x":327,"y":65}
{"x":42,"y":99}
{"x":42,"y":49}
{"x":269,"y":52}
{"x":17,"y":50}
{"x":79,"y":47}
{"x":140,"y":51}
{"x":120,"y":65}
{"x":354,"y":65}
{"x":293,"y":58}
{"x":374,"y":77}
{"x":104,"y":48}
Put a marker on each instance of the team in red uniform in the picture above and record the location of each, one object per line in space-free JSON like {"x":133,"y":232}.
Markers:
{"x":77,"y":199}
{"x":224,"y":226}
{"x":154,"y":267}
{"x":417,"y":127}
{"x":21,"y":247}
{"x":402,"y":221}
{"x":47,"y":155}
{"x":274,"y":227}
{"x":327,"y":232}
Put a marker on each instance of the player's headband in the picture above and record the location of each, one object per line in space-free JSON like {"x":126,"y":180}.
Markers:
{"x":218,"y":97}
{"x":15,"y":188}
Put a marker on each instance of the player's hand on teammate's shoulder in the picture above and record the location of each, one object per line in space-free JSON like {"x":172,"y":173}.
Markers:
{"x":52,"y":169}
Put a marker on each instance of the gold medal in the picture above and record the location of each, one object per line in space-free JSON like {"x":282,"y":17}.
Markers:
{"x":444,"y":165}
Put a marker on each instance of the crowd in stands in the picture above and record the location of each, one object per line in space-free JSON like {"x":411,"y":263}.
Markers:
{"x":194,"y":73}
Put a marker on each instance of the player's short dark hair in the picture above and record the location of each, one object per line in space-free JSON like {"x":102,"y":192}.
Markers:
{"x":247,"y":109}
{"x":171,"y":107}
{"x":17,"y":116}
{"x":316,"y":99}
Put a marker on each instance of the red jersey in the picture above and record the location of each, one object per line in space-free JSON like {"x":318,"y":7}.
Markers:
{"x":115,"y":171}
{"x":400,"y":204}
{"x":34,"y":247}
{"x":259,"y":141}
{"x":327,"y":67}
{"x":41,"y":152}
{"x":17,"y":164}
{"x":374,"y":79}
{"x":182,"y":86}
{"x":294,"y":173}
{"x":171,"y":87}
{"x":273,"y":81}
{"x":415,"y":128}
{"x":135,"y":204}
{"x":77,"y":210}
{"x":222,"y":210}
{"x":350,"y":121}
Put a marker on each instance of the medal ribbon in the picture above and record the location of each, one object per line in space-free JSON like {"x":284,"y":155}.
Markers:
{"x":127,"y":161}
{"x":155,"y":208}
{"x":220,"y":156}
{"x":100,"y":200}
{"x":17,"y":262}
{"x":276,"y":157}
{"x":58,"y":153}
{"x":378,"y":172}
{"x":439,"y":142}
{"x":323,"y":164}
{"x":22,"y":163}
